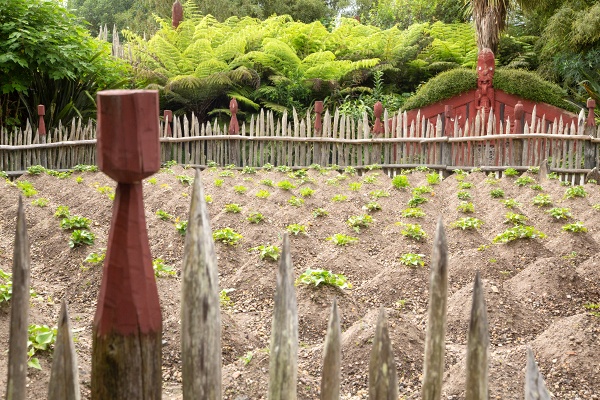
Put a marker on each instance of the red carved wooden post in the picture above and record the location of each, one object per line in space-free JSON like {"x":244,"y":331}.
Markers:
{"x":377,"y":125}
{"x":484,"y":95}
{"x":42,"y":132}
{"x":127,"y":330}
{"x":447,"y":149}
{"x":176,"y":14}
{"x":318,"y":119}
{"x":590,"y":130}
{"x":234,"y":129}
{"x":516,"y":147}
{"x":168,"y":116}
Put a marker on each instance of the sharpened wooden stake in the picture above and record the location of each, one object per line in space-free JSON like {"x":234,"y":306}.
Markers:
{"x":436,"y":327}
{"x":477,"y":346}
{"x":19,"y":311}
{"x":383,"y":381}
{"x":64,"y":377}
{"x":283,"y":363}
{"x":200,"y":315}
{"x":331,"y":378}
{"x":535,"y":387}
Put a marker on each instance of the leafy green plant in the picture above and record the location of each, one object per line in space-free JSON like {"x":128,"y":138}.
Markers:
{"x":413,"y":212}
{"x":511,"y":203}
{"x":163,"y":215}
{"x":553,"y":175}
{"x":296,"y":201}
{"x":233,"y":208}
{"x":565,"y":183}
{"x":339,"y":198}
{"x":26,"y":188}
{"x":419,"y":190}
{"x":219,"y":182}
{"x":59,"y":175}
{"x":400,"y":181}
{"x":283,"y":168}
{"x":560,"y":213}
{"x":370,"y":179}
{"x":518,"y":232}
{"x":497,"y":193}
{"x":433,"y":178}
{"x":332,"y":182}
{"x":465,"y":207}
{"x":323,"y":277}
{"x":62,"y":212}
{"x":341,"y":240}
{"x":255,"y":217}
{"x":181,"y":227}
{"x":511,"y":172}
{"x":263,"y":194}
{"x":267,"y":182}
{"x":515,"y":219}
{"x":359,"y":221}
{"x":413,"y":231}
{"x":537,"y":187}
{"x":239,"y":189}
{"x":208,"y":198}
{"x":306,"y":192}
{"x":39,"y":338}
{"x":268,"y":167}
{"x":5,"y":287}
{"x":96,"y":257}
{"x":296,"y":229}
{"x":161,"y":269}
{"x":596,"y":207}
{"x":268,"y":252}
{"x":465,"y":185}
{"x":248,"y":170}
{"x":376,"y":194}
{"x":463,"y":195}
{"x":227,"y":236}
{"x":416,"y":200}
{"x":85,"y":168}
{"x":185,"y":180}
{"x":467,"y":223}
{"x":592,"y":307}
{"x":355,"y":186}
{"x":226,"y":174}
{"x":575,"y":227}
{"x":107,"y":190}
{"x":533,"y":170}
{"x":371,"y":206}
{"x":75,"y":222}
{"x":524,"y":181}
{"x":320,"y":212}
{"x":412,"y":260}
{"x":350,"y":170}
{"x":491,"y":180}
{"x":575,"y":191}
{"x":36,"y":170}
{"x":40,"y":202}
{"x":542,"y":200}
{"x":224,"y":299}
{"x":286,"y":185}
{"x":79,"y":179}
{"x":80,"y":237}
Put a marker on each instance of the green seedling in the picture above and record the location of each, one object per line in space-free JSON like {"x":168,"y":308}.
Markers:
{"x":5,"y":287}
{"x":467,"y":223}
{"x":80,"y":237}
{"x":537,"y":187}
{"x":306,"y":192}
{"x":318,"y":277}
{"x":268,"y":167}
{"x":542,"y":200}
{"x":219,"y":182}
{"x":268,"y":252}
{"x":575,"y":191}
{"x":413,"y":231}
{"x":332,"y":182}
{"x":433,"y":178}
{"x":227,"y":236}
{"x":185,"y":180}
{"x":342,"y":240}
{"x":416,"y":200}
{"x":413,"y":212}
{"x":533,"y":170}
{"x":497,"y":193}
{"x":511,"y":203}
{"x":518,"y":232}
{"x":255,"y":217}
{"x":62,"y":212}
{"x":296,"y":229}
{"x":85,"y":168}
{"x":593,"y":309}
{"x":263,"y":194}
{"x":465,"y":207}
{"x":320,"y":212}
{"x":524,"y":181}
{"x":371,"y":206}
{"x":96,"y":258}
{"x":359,"y":221}
{"x":349,"y":170}
{"x":40,"y":338}
{"x":266,"y":182}
{"x":239,"y":189}
{"x":400,"y":182}
{"x":284,"y":169}
{"x":296,"y":201}
{"x":465,"y":185}
{"x":339,"y":198}
{"x":560,"y":213}
{"x":511,"y":172}
{"x":565,"y":183}
{"x":515,"y":219}
{"x":412,"y":260}
{"x":355,"y":186}
{"x":463,"y":195}
{"x":490,"y":180}
{"x":41,"y":202}
{"x":163,"y":215}
{"x":376,"y":194}
{"x":248,"y":170}
{"x":419,"y":190}
{"x":36,"y":170}
{"x":233,"y":208}
{"x":26,"y":188}
{"x":372,"y":167}
{"x":181,"y":227}
{"x":161,"y":269}
{"x":576,"y":227}
{"x":79,"y":179}
{"x":286,"y":185}
{"x":226,"y":174}
{"x":370,"y":179}
{"x":224,"y":299}
{"x":208,"y":199}
{"x":75,"y":222}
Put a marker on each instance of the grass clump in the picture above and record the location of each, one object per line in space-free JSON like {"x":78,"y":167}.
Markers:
{"x":318,"y":277}
{"x":518,"y":232}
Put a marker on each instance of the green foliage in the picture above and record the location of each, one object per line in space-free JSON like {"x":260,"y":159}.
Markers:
{"x":413,"y":212}
{"x":185,"y":180}
{"x":62,"y":212}
{"x":339,"y":198}
{"x":518,"y":232}
{"x":596,"y":206}
{"x":413,"y":231}
{"x":490,"y":180}
{"x":511,"y":203}
{"x":181,"y":227}
{"x":26,"y":188}
{"x":542,"y":200}
{"x":296,"y":201}
{"x":268,"y":252}
{"x":350,"y":170}
{"x":36,"y":170}
{"x":359,"y":221}
{"x":466,"y":207}
{"x":370,"y":179}
{"x":412,"y":260}
{"x":575,"y":191}
{"x":342,"y":240}
{"x":575,"y":227}
{"x":226,"y":302}
{"x":40,"y":202}
{"x":419,"y":190}
{"x":5,"y":287}
{"x":233,"y":208}
{"x":161,"y":269}
{"x":416,"y":200}
{"x":268,"y":167}
{"x":433,"y":178}
{"x":85,"y":168}
{"x":445,"y":85}
{"x":306,"y":192}
{"x":96,"y":258}
{"x":560,"y":213}
{"x":497,"y":193}
{"x":515,"y":218}
{"x":400,"y":181}
{"x":511,"y":172}
{"x":463,"y":195}
{"x":163,"y":215}
{"x":354,"y":186}
{"x":208,"y":198}
{"x":552,"y":175}
{"x":266,"y":182}
{"x":371,"y":206}
{"x":75,"y":222}
{"x":239,"y":189}
{"x":219,"y":182}
{"x":592,"y":307}
{"x":467,"y":223}
{"x":465,"y":185}
{"x":263,"y":194}
{"x":320,"y":212}
{"x":255,"y":217}
{"x":376,"y":194}
{"x":296,"y":229}
{"x":286,"y":185}
{"x":59,"y":175}
{"x":80,"y":237}
{"x":322,"y":277}
{"x":227,"y":236}
{"x":248,"y":170}
{"x":39,"y":338}
{"x":283,"y":169}
{"x":226,"y":174}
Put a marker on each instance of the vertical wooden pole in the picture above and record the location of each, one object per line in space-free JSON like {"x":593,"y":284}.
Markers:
{"x":200,"y":316}
{"x":590,"y":130}
{"x":477,"y":346}
{"x":331,"y":378}
{"x":19,"y":312}
{"x":42,"y":132}
{"x":234,"y":129}
{"x":535,"y":387}
{"x":447,"y":150}
{"x":176,"y":14}
{"x":283,"y":363}
{"x":127,"y":329}
{"x":383,"y":381}
{"x":516,"y":150}
{"x":64,"y":377}
{"x":436,"y":327}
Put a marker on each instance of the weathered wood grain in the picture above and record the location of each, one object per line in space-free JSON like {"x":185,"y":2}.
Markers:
{"x":535,"y":387}
{"x":477,"y":346}
{"x":331,"y":377}
{"x":64,"y":376}
{"x":383,"y":381}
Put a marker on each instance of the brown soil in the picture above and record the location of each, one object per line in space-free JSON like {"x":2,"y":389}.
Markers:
{"x":535,"y":289}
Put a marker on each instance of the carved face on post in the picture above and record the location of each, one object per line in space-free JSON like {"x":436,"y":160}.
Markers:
{"x":485,"y":67}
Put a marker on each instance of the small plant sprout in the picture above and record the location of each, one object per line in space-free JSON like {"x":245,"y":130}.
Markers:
{"x":372,"y":167}
{"x":576,"y":227}
{"x":96,"y":258}
{"x":433,"y":178}
{"x":266,"y":182}
{"x":400,"y":182}
{"x":354,"y":186}
{"x":419,"y":190}
{"x":26,"y":188}
{"x":371,"y":206}
{"x":36,"y":170}
{"x":255,"y":217}
{"x":318,"y":277}
{"x":533,"y":170}
{"x":163,"y":215}
{"x":268,"y":167}
{"x":349,"y":170}
{"x":511,"y":203}
{"x":320,"y":212}
{"x":41,"y":202}
{"x":341,"y":177}
{"x":416,"y":200}
{"x":5,"y":287}
{"x":359,"y":221}
{"x":284,"y":169}
{"x":370,"y":179}
{"x":490,"y":180}
{"x":515,"y":219}
{"x":465,"y":207}
{"x":524,"y":181}
{"x":233,"y":208}
{"x":413,"y":212}
{"x":296,"y":229}
{"x":465,"y":185}
{"x":596,"y":206}
{"x":286,"y":185}
{"x":80,"y":237}
{"x":339,"y":198}
{"x":79,"y":179}
{"x":306,"y":192}
{"x":412,"y":231}
{"x":248,"y":170}
{"x":263,"y":194}
{"x":537,"y":187}
{"x":40,"y":338}
{"x":412,"y":260}
{"x":181,"y":227}
{"x":593,"y":309}
{"x":459,"y":175}
{"x":467,"y":223}
{"x":226,"y":174}
{"x":62,"y":212}
{"x":185,"y":180}
{"x":511,"y":172}
{"x":229,"y":166}
{"x":75,"y":222}
{"x":296,"y":201}
{"x":219,"y":182}
{"x":268,"y":252}
{"x":239,"y":189}
{"x":332,"y":182}
{"x":542,"y":200}
{"x":463,"y":195}
{"x":376,"y":194}
{"x":227,"y":236}
{"x":497,"y":193}
{"x":575,"y":191}
{"x":161,"y":269}
{"x":518,"y":232}
{"x":208,"y":198}
{"x":224,"y":299}
{"x":565,"y":183}
{"x":341,"y":240}
{"x":553,"y":175}
{"x":560,"y":213}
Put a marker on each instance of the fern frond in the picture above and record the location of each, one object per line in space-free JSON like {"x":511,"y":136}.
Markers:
{"x":209,"y":67}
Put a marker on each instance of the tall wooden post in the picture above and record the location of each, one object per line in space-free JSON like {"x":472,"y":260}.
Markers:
{"x":168,"y":116}
{"x":590,"y":130}
{"x":516,"y":149}
{"x":318,"y":131}
{"x":42,"y":133}
{"x":234,"y":129}
{"x":445,"y":148}
{"x":176,"y":14}
{"x":127,"y":330}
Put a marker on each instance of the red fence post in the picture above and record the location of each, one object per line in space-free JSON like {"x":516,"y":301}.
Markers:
{"x":42,"y":132}
{"x":176,"y":14}
{"x":516,"y":145}
{"x":590,"y":130}
{"x":127,"y":329}
{"x":318,"y":119}
{"x":234,"y":129}
{"x":377,"y":125}
{"x":168,"y":116}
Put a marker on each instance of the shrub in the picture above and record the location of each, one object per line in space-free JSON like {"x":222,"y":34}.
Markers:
{"x":518,"y":232}
{"x":467,"y":223}
{"x":322,"y":277}
{"x":443,"y":86}
{"x":227,"y":236}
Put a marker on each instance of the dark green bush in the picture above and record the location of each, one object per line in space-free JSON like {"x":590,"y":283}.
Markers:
{"x":443,"y":86}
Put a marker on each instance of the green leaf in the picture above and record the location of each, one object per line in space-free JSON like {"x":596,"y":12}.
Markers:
{"x":34,"y":363}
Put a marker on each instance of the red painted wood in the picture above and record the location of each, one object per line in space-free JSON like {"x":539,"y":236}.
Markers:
{"x":318,"y":118}
{"x":176,"y":14}
{"x":41,"y":124}
{"x":591,"y":105}
{"x":377,"y":126}
{"x":234,"y":126}
{"x":168,"y":116}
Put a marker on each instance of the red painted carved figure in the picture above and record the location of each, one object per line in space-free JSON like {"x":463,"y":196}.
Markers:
{"x":484,"y":96}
